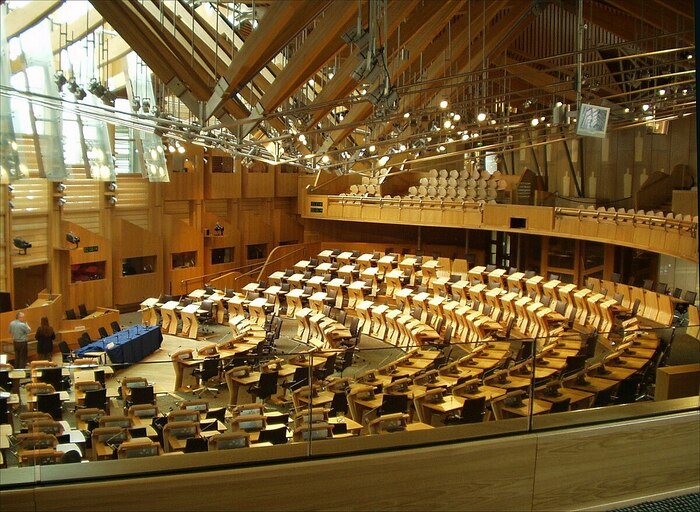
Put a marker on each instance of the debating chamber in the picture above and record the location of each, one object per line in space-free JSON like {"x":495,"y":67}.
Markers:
{"x":387,"y":255}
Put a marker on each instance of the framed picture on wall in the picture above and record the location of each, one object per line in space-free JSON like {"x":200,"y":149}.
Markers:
{"x":592,"y":121}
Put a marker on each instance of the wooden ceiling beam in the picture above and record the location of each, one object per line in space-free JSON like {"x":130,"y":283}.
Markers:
{"x":320,"y":46}
{"x":343,"y":83}
{"x":282,"y":21}
{"x":415,"y":45}
{"x":652,"y":14}
{"x":19,"y":20}
{"x":683,"y":8}
{"x":153,"y":50}
{"x":76,"y":30}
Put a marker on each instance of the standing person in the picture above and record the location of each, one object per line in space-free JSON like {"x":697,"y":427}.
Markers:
{"x":19,"y":331}
{"x":44,"y":339}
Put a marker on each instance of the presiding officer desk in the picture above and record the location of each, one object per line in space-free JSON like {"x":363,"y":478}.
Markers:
{"x":127,"y":346}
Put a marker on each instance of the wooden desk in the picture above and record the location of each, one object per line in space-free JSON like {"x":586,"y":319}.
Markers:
{"x":190,"y":324}
{"x":538,"y":407}
{"x":485,"y":391}
{"x":593,"y":384}
{"x":167,"y":311}
{"x":236,"y":383}
{"x":148,"y":311}
{"x":446,"y":405}
{"x":353,"y":427}
{"x":578,"y":399}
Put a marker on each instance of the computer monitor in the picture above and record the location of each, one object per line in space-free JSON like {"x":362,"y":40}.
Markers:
{"x":5,"y":380}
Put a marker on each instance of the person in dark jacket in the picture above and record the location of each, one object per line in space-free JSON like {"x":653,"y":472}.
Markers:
{"x":44,"y":339}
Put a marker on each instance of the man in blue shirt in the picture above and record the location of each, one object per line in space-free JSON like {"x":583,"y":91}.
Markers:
{"x":19,"y":331}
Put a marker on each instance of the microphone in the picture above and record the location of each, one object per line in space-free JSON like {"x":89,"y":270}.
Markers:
{"x":109,"y":442}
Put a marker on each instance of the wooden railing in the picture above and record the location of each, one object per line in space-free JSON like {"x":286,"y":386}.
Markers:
{"x":650,"y":231}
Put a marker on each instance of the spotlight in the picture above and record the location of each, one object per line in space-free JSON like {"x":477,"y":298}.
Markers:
{"x":535,"y":121}
{"x":72,"y":238}
{"x":457,"y":117}
{"x":22,"y":245}
{"x":112,"y":187}
{"x":72,"y":85}
{"x":60,"y":187}
{"x":481,"y":117}
{"x":80,"y":94}
{"x":113,"y":199}
{"x":59,"y":79}
{"x":96,"y":88}
{"x":443,"y":104}
{"x":136,"y":104}
{"x":325,"y":159}
{"x":61,"y":201}
{"x":146,"y":105}
{"x":372,"y":148}
{"x":181,"y":149}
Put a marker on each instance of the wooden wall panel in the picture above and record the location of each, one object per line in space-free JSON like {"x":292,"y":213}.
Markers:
{"x":138,"y":217}
{"x":258,"y":180}
{"x":92,"y":293}
{"x":220,"y":185}
{"x":132,"y":192}
{"x":596,"y":466}
{"x":177,"y":209}
{"x":89,"y":220}
{"x":186,"y":174}
{"x":286,"y":177}
{"x":179,"y":237}
{"x":132,"y":241}
{"x":593,"y":466}
{"x":82,"y":195}
{"x":33,"y":229}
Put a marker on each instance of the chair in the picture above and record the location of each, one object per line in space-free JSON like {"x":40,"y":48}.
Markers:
{"x":70,"y":314}
{"x":53,"y":376}
{"x":561,"y":406}
{"x":393,"y":404}
{"x":103,"y":332}
{"x":661,"y":288}
{"x":96,"y":399}
{"x":115,"y":326}
{"x":142,"y":414}
{"x":139,"y":396}
{"x":299,"y":379}
{"x":5,"y":414}
{"x":50,"y":403}
{"x":207,"y":372}
{"x":66,"y":353}
{"x":648,"y":284}
{"x":344,"y":362}
{"x":266,"y":386}
{"x":83,"y":310}
{"x":176,"y":433}
{"x":473,"y":411}
{"x":84,"y":340}
{"x":205,"y":314}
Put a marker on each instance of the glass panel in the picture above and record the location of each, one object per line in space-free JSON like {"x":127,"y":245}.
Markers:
{"x":87,"y":271}
{"x":184,"y":259}
{"x":138,"y":265}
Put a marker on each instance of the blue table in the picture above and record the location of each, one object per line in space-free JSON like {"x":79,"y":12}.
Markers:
{"x":128,"y":346}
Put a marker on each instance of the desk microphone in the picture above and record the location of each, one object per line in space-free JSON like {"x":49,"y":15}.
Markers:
{"x":112,"y":445}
